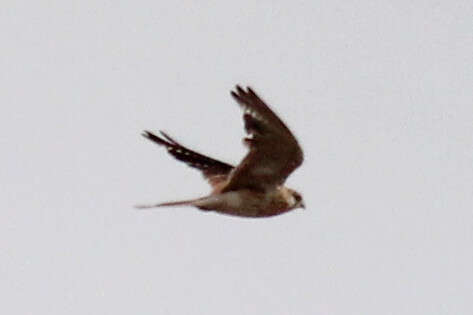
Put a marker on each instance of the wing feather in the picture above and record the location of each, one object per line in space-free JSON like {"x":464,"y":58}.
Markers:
{"x":274,"y":152}
{"x":213,"y":170}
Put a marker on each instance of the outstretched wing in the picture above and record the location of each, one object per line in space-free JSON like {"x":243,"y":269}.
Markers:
{"x":214,"y":171}
{"x":274,"y":152}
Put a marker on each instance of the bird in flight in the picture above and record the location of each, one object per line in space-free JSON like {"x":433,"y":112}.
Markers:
{"x":254,"y":188}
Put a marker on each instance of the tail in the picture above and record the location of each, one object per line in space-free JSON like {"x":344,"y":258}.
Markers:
{"x":169,"y":204}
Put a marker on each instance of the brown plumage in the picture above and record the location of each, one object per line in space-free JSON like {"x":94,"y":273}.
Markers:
{"x":255,"y":187}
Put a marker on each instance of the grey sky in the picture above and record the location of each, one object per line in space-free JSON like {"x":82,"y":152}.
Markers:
{"x":379,"y":93}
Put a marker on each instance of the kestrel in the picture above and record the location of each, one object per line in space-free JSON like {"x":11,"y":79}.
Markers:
{"x":255,"y":187}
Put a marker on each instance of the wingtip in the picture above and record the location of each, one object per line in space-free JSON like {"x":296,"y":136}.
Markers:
{"x":250,"y":91}
{"x":155,"y":138}
{"x":167,"y":137}
{"x":239,"y":93}
{"x":146,"y":134}
{"x":240,"y":90}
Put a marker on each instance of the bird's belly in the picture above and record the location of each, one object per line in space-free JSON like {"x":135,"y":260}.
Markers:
{"x":244,"y":203}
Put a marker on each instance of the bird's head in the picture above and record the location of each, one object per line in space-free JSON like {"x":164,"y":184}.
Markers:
{"x":296,"y":200}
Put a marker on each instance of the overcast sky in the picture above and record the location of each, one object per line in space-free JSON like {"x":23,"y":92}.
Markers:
{"x":379,"y":94}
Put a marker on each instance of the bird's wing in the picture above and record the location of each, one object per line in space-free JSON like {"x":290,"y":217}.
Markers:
{"x":274,"y":152}
{"x":214,"y":171}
